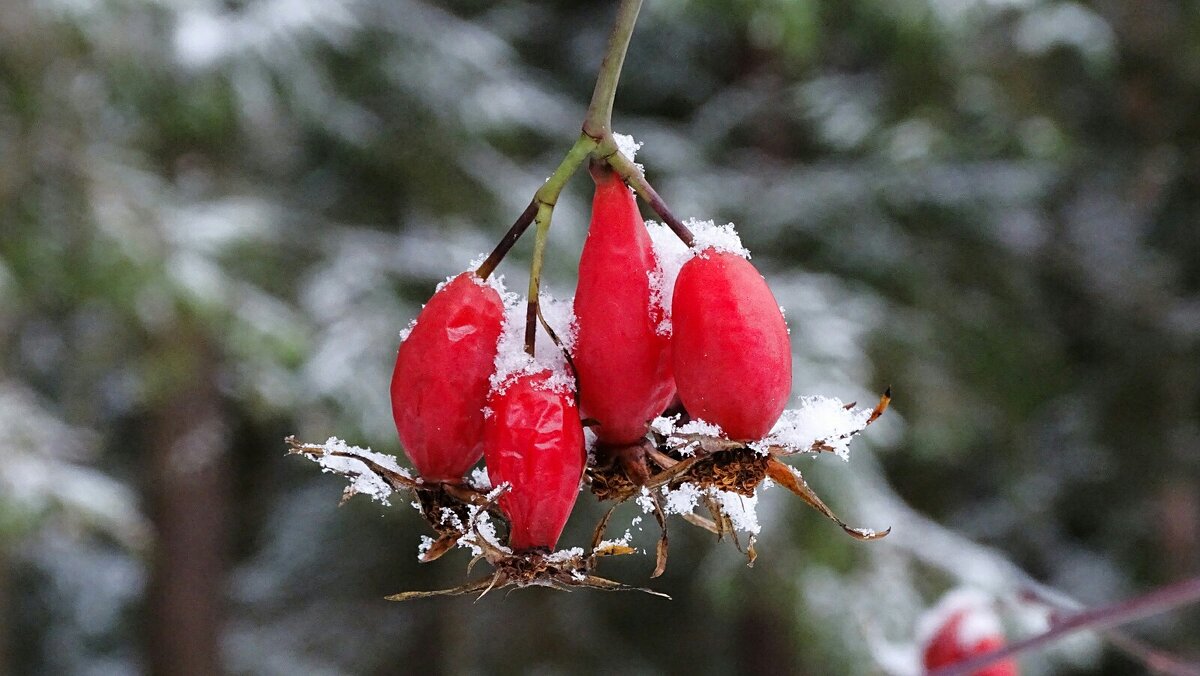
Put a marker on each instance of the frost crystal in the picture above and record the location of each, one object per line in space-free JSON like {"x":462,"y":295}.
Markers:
{"x":740,"y":510}
{"x":682,"y":500}
{"x":564,"y":555}
{"x":479,"y":524}
{"x":425,"y":546}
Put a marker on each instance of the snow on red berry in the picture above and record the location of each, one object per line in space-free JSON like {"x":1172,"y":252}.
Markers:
{"x":441,"y":378}
{"x":731,"y":354}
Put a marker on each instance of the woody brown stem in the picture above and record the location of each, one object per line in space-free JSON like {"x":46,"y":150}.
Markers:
{"x":510,"y":238}
{"x":1158,"y":601}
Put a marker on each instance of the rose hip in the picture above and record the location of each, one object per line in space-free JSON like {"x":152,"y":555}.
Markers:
{"x":622,"y":363}
{"x":440,"y":383}
{"x":533,"y":440}
{"x":957,"y":641}
{"x":731,"y":357}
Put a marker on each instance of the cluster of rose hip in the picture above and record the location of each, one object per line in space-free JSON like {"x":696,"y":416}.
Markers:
{"x":724,"y":358}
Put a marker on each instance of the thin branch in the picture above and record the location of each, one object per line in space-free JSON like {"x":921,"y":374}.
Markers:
{"x":634,"y":176}
{"x":510,"y":238}
{"x":1098,"y":619}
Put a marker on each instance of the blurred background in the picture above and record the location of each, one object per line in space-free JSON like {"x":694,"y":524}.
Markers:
{"x":216,"y":215}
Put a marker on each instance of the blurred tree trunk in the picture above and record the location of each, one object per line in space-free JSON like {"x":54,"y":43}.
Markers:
{"x":5,"y":611}
{"x":188,"y":486}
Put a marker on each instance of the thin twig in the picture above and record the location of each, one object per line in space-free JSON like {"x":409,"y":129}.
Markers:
{"x":631,"y":173}
{"x":1097,"y":619}
{"x":510,"y":238}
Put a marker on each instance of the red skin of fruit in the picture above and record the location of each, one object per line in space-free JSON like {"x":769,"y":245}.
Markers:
{"x":440,"y":383}
{"x":534,"y":441}
{"x":731,"y":356}
{"x":945,"y":649}
{"x":623,"y":366}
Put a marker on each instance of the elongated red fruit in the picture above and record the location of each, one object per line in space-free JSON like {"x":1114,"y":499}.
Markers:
{"x":440,"y":383}
{"x":533,"y":440}
{"x":622,"y":362}
{"x":963,"y":636}
{"x":732,"y":360}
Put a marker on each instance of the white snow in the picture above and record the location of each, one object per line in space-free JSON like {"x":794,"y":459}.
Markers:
{"x":670,"y":254}
{"x":683,"y":500}
{"x":480,"y":480}
{"x":564,"y":555}
{"x":740,"y":510}
{"x":668,"y":427}
{"x":362,"y":478}
{"x":645,"y":501}
{"x":511,"y":359}
{"x":721,"y":238}
{"x":629,"y":147}
{"x":407,"y":331}
{"x":818,"y":419}
{"x":479,"y":523}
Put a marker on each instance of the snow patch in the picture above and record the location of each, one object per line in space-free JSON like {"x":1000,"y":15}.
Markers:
{"x":629,"y":147}
{"x":740,"y":509}
{"x":670,"y":254}
{"x":512,"y":361}
{"x":818,"y":420}
{"x":362,"y":478}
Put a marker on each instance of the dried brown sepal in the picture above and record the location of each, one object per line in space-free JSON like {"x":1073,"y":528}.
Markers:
{"x":440,"y":546}
{"x":660,"y":550}
{"x":535,"y":568}
{"x":433,"y":498}
{"x":395,"y":480}
{"x":791,"y":479}
{"x":702,"y":522}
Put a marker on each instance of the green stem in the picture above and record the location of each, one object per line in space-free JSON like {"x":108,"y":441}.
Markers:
{"x":545,"y":211}
{"x":545,"y":199}
{"x":599,"y":113}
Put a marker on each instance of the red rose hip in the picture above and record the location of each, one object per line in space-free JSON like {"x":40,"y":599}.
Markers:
{"x":533,"y":440}
{"x":963,"y":636}
{"x":731,"y":356}
{"x":622,"y":362}
{"x":440,"y":383}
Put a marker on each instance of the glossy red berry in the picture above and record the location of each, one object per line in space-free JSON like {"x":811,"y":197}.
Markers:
{"x":622,"y":361}
{"x":731,"y":356}
{"x":440,"y":383}
{"x":958,"y":640}
{"x":533,"y":440}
